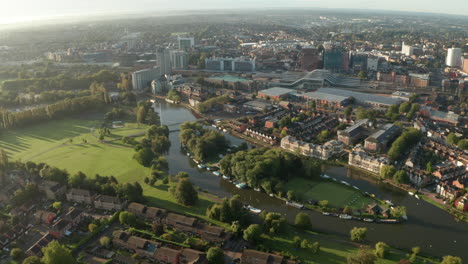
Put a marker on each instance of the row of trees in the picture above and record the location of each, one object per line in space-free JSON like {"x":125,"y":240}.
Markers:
{"x":146,"y":115}
{"x":53,"y":111}
{"x":59,"y":82}
{"x":202,"y":142}
{"x":456,"y":141}
{"x":403,"y":143}
{"x":228,"y":211}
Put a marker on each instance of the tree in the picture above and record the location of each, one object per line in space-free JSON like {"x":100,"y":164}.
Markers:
{"x":363,"y":256}
{"x":215,"y":255}
{"x":253,"y":233}
{"x":57,"y":205}
{"x":16,"y":253}
{"x":452,"y":138}
{"x":273,"y":222}
{"x":291,"y":195}
{"x":401,"y":177}
{"x":323,"y":136}
{"x":32,"y":260}
{"x":463,"y":144}
{"x":185,"y":193}
{"x":297,"y":241}
{"x":315,"y":247}
{"x":302,"y":221}
{"x":451,"y":260}
{"x":387,"y":171}
{"x":405,"y":107}
{"x":55,"y":253}
{"x":305,"y":244}
{"x":429,"y":167}
{"x":127,"y":218}
{"x":92,"y":227}
{"x":348,"y":111}
{"x":381,"y":249}
{"x":358,"y":234}
{"x":144,"y":156}
{"x":104,"y":241}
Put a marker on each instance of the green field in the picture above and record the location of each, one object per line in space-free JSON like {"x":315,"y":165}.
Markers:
{"x":338,"y":195}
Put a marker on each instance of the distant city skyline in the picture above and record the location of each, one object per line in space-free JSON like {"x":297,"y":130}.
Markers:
{"x":27,"y":10}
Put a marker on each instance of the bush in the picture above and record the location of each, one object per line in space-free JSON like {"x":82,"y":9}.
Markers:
{"x":358,"y":234}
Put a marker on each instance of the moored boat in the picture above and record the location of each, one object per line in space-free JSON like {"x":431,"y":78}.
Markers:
{"x":253,"y":209}
{"x":411,"y":193}
{"x":202,"y":166}
{"x":293,"y":204}
{"x":226,"y":177}
{"x":217,"y":173}
{"x":368,"y":220}
{"x":345,"y":216}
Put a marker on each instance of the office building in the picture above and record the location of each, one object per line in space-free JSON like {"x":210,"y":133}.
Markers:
{"x":164,"y":61}
{"x":408,"y":50}
{"x":335,"y":60}
{"x":310,"y":59}
{"x":142,"y":79}
{"x":230,"y":64}
{"x":454,"y":56}
{"x":179,"y":59}
{"x":372,"y":63}
{"x":185,"y":43}
{"x":358,"y":61}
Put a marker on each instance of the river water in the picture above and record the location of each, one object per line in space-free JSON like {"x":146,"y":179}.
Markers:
{"x":434,"y":230}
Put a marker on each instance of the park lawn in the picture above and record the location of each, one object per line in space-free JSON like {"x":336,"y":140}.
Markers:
{"x":331,"y":250}
{"x":338,"y":195}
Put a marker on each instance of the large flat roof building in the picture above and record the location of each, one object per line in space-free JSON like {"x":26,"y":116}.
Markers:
{"x":362,"y":98}
{"x":380,"y":139}
{"x":325,"y":98}
{"x":275,"y":93}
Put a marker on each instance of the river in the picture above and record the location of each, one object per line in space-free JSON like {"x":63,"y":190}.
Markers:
{"x":434,"y":230}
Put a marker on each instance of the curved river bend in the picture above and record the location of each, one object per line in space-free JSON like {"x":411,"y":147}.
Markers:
{"x":429,"y":227}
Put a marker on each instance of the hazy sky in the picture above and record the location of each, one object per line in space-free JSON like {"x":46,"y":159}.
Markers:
{"x":19,"y":10}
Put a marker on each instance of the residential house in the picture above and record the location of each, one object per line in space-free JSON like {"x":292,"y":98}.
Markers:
{"x":272,"y":140}
{"x":250,"y":256}
{"x":80,"y":196}
{"x":462,"y":203}
{"x":106,"y":202}
{"x":167,"y":255}
{"x":180,"y":222}
{"x":447,"y":191}
{"x":44,"y":217}
{"x":36,"y":248}
{"x":192,"y":256}
{"x":75,"y":216}
{"x":60,"y":228}
{"x":324,"y":152}
{"x":53,"y":190}
{"x":141,"y":210}
{"x":213,"y":234}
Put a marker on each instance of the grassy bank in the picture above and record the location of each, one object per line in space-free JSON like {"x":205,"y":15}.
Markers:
{"x":338,"y":195}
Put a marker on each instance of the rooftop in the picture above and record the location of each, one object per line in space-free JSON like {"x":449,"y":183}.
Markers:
{"x":361,"y":97}
{"x":325,"y":97}
{"x":229,"y":78}
{"x":276,"y":91}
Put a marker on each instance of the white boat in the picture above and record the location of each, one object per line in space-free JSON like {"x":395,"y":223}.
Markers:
{"x":257,"y":189}
{"x":224,"y":130}
{"x":417,"y":197}
{"x":293,"y":204}
{"x":188,"y":154}
{"x":241,"y":185}
{"x":368,"y":220}
{"x":325,"y":176}
{"x":202,"y":166}
{"x":345,"y":183}
{"x":271,"y":194}
{"x":253,"y":209}
{"x":196,"y":161}
{"x":411,"y":193}
{"x":355,"y":187}
{"x":226,"y":177}
{"x":325,"y":213}
{"x":388,"y":202}
{"x":213,"y":125}
{"x":217,"y":173}
{"x":345,"y":216}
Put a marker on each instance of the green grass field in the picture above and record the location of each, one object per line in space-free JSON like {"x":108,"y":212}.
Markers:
{"x":338,"y":195}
